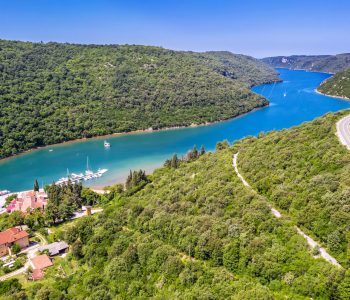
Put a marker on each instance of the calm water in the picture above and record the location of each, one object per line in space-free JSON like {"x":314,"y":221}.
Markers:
{"x":149,"y":150}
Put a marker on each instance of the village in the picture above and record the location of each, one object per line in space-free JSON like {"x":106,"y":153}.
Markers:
{"x":25,"y":251}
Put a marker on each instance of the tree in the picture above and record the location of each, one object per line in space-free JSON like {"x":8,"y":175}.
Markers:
{"x":51,"y":213}
{"x":174,"y":162}
{"x":202,"y":151}
{"x":10,"y":285}
{"x":222,"y":145}
{"x":344,"y":287}
{"x":135,"y":179}
{"x":15,"y":249}
{"x":77,"y":249}
{"x":90,"y":197}
{"x":36,"y":186}
{"x":10,"y":198}
{"x":195,"y":151}
{"x":16,"y":218}
{"x":232,"y":255}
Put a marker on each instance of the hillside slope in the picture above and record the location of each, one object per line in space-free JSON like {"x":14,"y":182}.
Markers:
{"x":338,"y":85}
{"x":316,"y":63}
{"x":193,"y":232}
{"x":50,"y":93}
{"x":304,"y":171}
{"x":238,"y":67}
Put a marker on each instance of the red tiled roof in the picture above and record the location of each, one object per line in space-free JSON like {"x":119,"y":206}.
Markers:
{"x":6,"y":237}
{"x":37,"y":274}
{"x":41,"y":262}
{"x":20,"y":235}
{"x":11,"y":235}
{"x":13,"y":230}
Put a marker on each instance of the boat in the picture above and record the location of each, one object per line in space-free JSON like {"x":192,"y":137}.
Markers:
{"x":285,"y":94}
{"x":77,"y":178}
{"x":106,"y":144}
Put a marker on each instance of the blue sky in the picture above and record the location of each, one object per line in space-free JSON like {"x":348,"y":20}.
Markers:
{"x":259,"y":28}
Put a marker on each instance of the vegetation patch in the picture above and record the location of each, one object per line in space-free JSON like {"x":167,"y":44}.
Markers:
{"x":52,"y":93}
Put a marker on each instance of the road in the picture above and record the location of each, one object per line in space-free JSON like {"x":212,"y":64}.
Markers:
{"x":14,"y":273}
{"x":274,"y":211}
{"x":82,"y":213}
{"x":312,"y":243}
{"x":343,"y":131}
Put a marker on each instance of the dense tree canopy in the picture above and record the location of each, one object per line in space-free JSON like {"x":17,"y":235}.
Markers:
{"x":192,"y":232}
{"x":305,"y":172}
{"x":50,"y":93}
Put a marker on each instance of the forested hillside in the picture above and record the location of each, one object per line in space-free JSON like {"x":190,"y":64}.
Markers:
{"x":305,"y":172}
{"x":193,"y":231}
{"x":338,"y":85}
{"x":316,"y":63}
{"x":50,"y":93}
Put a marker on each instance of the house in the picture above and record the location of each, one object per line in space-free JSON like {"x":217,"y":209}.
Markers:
{"x":55,"y":248}
{"x":13,"y":236}
{"x":27,"y":201}
{"x":38,"y":264}
{"x":37,"y":274}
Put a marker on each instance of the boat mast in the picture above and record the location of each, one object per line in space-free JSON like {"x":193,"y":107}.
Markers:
{"x":87,"y":163}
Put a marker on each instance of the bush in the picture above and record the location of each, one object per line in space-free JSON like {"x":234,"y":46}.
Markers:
{"x":15,"y":249}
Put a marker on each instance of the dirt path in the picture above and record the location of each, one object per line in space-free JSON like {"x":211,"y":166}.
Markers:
{"x":42,"y":239}
{"x":312,"y":243}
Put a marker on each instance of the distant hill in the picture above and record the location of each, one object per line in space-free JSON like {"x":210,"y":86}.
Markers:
{"x":316,"y":63}
{"x":50,"y":93}
{"x":338,"y":85}
{"x":238,"y":67}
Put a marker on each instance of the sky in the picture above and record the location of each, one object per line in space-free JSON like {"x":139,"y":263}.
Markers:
{"x":258,"y":28}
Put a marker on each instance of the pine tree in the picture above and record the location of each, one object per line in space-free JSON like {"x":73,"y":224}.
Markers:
{"x":195,"y":152}
{"x":128,"y":180}
{"x":202,"y":151}
{"x":174,"y":162}
{"x":167,"y":163}
{"x":36,"y":186}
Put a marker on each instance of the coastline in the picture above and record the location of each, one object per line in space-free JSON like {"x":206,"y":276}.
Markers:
{"x":306,"y":70}
{"x":332,"y":96}
{"x":139,"y":131}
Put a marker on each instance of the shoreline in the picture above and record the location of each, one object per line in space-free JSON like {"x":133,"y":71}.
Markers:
{"x":329,"y":73}
{"x":332,"y":96}
{"x":134,"y":132}
{"x":328,"y":95}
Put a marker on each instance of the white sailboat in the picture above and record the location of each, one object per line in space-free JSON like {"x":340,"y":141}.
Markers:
{"x":88,"y":172}
{"x":87,"y":175}
{"x":106,"y":144}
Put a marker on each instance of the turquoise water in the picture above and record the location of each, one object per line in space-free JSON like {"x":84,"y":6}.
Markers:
{"x":149,"y":150}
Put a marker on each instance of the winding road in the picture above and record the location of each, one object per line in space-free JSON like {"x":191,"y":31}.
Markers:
{"x":343,"y":131}
{"x":312,"y":243}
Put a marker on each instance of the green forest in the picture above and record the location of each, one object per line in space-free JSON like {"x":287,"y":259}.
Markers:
{"x":338,"y":85}
{"x":192,"y":230}
{"x":51,"y":92}
{"x":304,"y":171}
